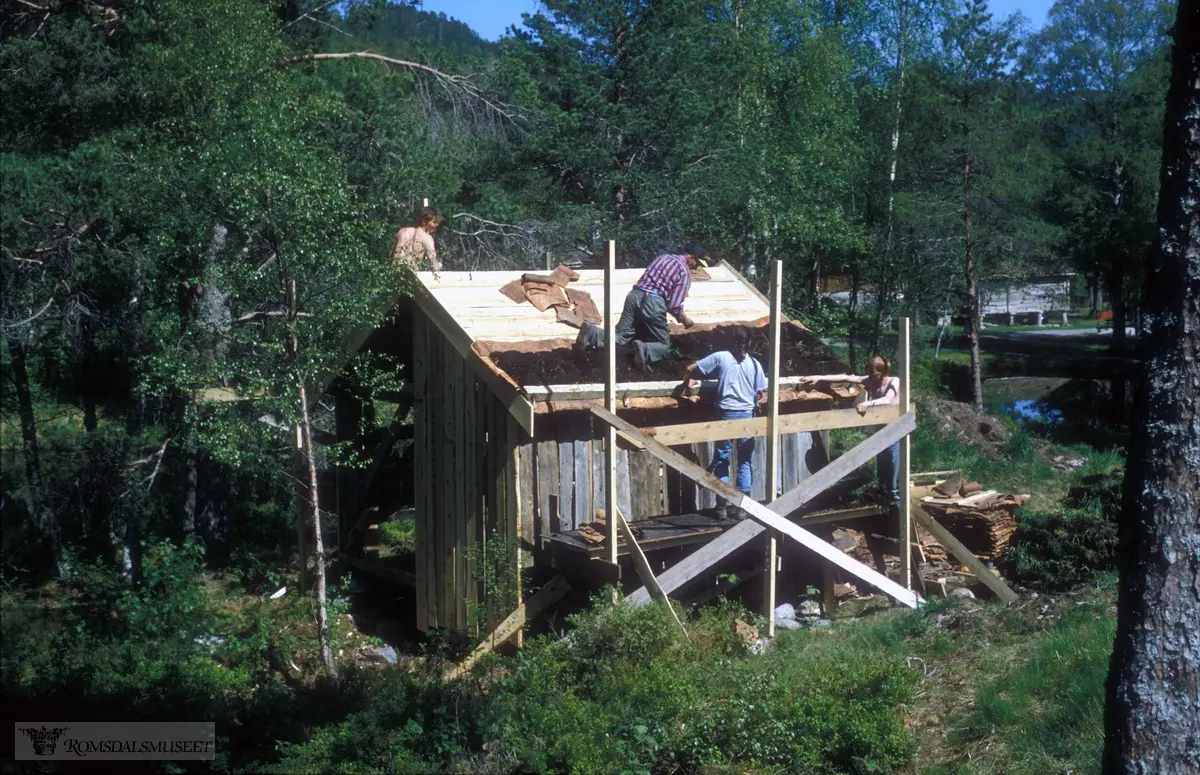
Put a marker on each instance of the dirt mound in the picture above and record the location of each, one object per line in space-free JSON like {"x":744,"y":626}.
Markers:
{"x":801,"y":353}
{"x":988,"y":433}
{"x":963,"y":423}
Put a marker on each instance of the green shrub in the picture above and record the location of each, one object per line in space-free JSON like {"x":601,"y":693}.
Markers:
{"x":625,"y":692}
{"x":1073,"y":544}
{"x":137,"y":648}
{"x":399,"y":533}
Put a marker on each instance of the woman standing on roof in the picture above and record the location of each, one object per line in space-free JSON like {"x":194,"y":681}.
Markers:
{"x":882,"y":389}
{"x":414,"y":244}
{"x":740,"y":386}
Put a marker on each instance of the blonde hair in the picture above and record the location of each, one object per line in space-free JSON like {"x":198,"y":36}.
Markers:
{"x":883,"y":363}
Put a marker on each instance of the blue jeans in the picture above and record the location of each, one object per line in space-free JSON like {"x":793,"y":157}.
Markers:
{"x":887,"y":464}
{"x":720,"y":461}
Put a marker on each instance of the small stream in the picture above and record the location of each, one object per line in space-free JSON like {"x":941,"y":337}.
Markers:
{"x":1030,"y":410}
{"x":1023,"y":398}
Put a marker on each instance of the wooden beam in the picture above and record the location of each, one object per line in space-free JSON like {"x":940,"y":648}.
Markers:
{"x":931,"y":476}
{"x":515,"y":403}
{"x":733,"y":539}
{"x":595,"y":569}
{"x":610,"y":402}
{"x":841,"y":515}
{"x":800,"y":422}
{"x":860,"y":455}
{"x":586,"y":390}
{"x":644,"y":571}
{"x":905,"y":509}
{"x":380,"y":569}
{"x":963,"y":554}
{"x":766,"y":516}
{"x":527,"y":611}
{"x":771,"y":560}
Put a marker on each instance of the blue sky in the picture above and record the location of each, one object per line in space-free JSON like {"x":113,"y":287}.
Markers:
{"x":491,"y":18}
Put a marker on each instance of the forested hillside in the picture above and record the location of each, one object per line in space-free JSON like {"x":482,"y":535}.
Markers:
{"x":198,"y":201}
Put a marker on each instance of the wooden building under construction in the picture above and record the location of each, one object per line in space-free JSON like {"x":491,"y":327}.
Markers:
{"x":507,"y":473}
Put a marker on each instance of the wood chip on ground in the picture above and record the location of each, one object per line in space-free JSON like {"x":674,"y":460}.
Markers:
{"x":747,"y":632}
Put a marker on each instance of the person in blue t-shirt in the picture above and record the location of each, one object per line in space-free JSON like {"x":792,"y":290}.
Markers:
{"x":740,"y":385}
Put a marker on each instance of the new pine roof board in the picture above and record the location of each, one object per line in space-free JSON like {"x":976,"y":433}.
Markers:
{"x":474,"y":300}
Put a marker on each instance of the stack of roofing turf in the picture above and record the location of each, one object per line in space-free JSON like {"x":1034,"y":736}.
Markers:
{"x":545,"y":291}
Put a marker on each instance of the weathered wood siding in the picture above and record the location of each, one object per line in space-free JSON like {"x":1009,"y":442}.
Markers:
{"x":473,"y":479}
{"x":484,"y":488}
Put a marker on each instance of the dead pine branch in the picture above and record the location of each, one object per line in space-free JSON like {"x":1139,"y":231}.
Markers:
{"x":309,"y":15}
{"x":454,"y":84}
{"x":32,"y":317}
{"x":157,"y":464}
{"x":250,"y":317}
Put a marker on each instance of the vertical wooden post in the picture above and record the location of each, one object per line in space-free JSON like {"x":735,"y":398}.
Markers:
{"x":772,"y":472}
{"x":301,"y":519}
{"x":905,"y":527}
{"x":610,"y":398}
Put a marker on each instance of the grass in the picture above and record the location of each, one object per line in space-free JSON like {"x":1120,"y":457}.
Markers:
{"x":1022,"y":693}
{"x":1019,"y":470}
{"x":1073,"y":324}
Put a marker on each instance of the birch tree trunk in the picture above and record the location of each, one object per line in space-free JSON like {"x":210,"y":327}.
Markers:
{"x":314,"y":500}
{"x":319,"y":543}
{"x":974,"y":321}
{"x":1153,"y":712}
{"x":901,"y":19}
{"x":850,"y":349}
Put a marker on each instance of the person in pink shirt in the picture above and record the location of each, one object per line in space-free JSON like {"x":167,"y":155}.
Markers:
{"x":882,"y":390}
{"x":642,"y":328}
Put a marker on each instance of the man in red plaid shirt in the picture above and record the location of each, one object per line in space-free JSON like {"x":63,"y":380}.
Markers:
{"x":643,"y":325}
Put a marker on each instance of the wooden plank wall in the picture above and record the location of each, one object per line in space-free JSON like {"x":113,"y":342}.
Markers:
{"x":483,"y":486}
{"x":422,"y":471}
{"x":473,"y":466}
{"x":567,"y":463}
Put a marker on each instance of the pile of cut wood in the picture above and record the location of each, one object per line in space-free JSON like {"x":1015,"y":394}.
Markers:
{"x":983,"y":520}
{"x":545,"y":291}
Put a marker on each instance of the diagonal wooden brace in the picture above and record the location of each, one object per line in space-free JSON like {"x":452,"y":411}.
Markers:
{"x":962,"y":553}
{"x":769,"y":516}
{"x":645,"y":572}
